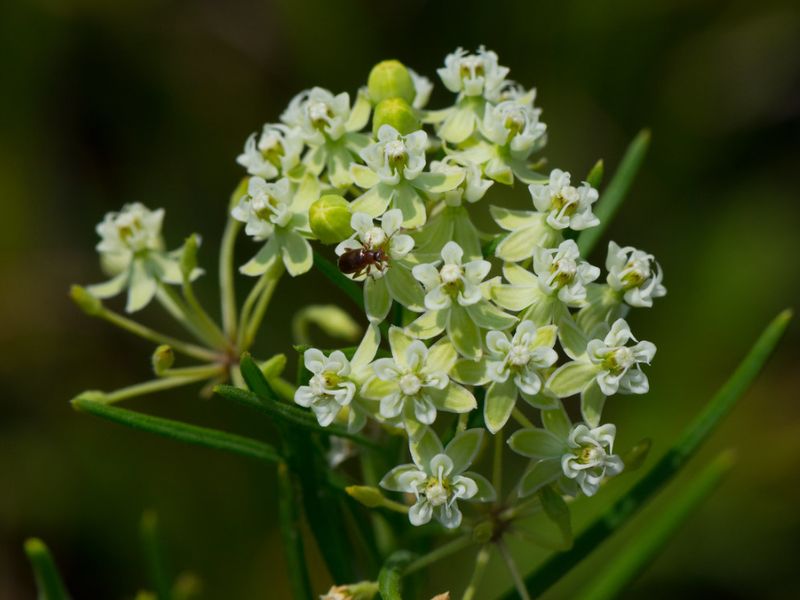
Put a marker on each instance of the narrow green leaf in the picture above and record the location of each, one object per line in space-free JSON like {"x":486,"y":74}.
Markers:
{"x":623,"y":568}
{"x":667,"y":467}
{"x":176,"y":430}
{"x":332,"y":272}
{"x":611,"y":199}
{"x":254,"y":378}
{"x":48,"y":580}
{"x":154,"y":555}
{"x":390,"y":578}
{"x":270,"y":404}
{"x":595,"y":176}
{"x":291,"y":535}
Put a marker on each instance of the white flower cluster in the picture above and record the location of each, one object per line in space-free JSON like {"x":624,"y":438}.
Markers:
{"x":390,"y":183}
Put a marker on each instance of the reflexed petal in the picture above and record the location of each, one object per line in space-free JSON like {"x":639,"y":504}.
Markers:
{"x":512,"y":297}
{"x":557,"y":421}
{"x":404,"y":288}
{"x":399,"y":343}
{"x":518,"y":245}
{"x":420,"y":513}
{"x":454,"y":398}
{"x":401,"y":478}
{"x":517,"y":275}
{"x":366,"y":350}
{"x":141,"y":288}
{"x":377,"y":301}
{"x":539,"y":475}
{"x":400,"y":245}
{"x":411,"y":204}
{"x":392,"y":405}
{"x":592,"y":402}
{"x":463,"y":448}
{"x":428,"y":325}
{"x":376,"y":388}
{"x":511,"y":220}
{"x":500,"y":401}
{"x":424,"y":410}
{"x":537,"y":443}
{"x":262,"y":261}
{"x":297,"y":254}
{"x":443,"y":462}
{"x":452,"y":253}
{"x":109,"y":288}
{"x":438,"y":183}
{"x":424,"y":447}
{"x":485,"y":491}
{"x":464,"y":333}
{"x":572,"y":338}
{"x":470,"y":372}
{"x":427,"y":275}
{"x":374,"y":201}
{"x":441,"y":356}
{"x":489,"y":316}
{"x":448,"y":515}
{"x":571,"y":378}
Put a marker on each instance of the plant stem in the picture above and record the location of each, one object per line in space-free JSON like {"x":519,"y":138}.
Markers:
{"x":157,"y":385}
{"x":251,"y":328}
{"x":497,"y":463}
{"x":439,"y":553}
{"x":520,"y":418}
{"x":481,"y":560}
{"x":154,"y":555}
{"x":512,"y":568}
{"x":251,"y":299}
{"x":291,"y":536}
{"x":48,"y":580}
{"x":178,"y":310}
{"x":226,"y":280}
{"x":202,"y":316}
{"x":150,"y":335}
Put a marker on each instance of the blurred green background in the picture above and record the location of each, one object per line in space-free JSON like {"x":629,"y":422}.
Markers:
{"x":111,"y":102}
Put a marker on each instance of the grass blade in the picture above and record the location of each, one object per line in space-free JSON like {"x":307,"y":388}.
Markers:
{"x":176,"y":430}
{"x":154,"y":555}
{"x":332,"y":272}
{"x":666,"y":468}
{"x":291,"y":536}
{"x":48,"y":580}
{"x":637,"y":554}
{"x":611,"y":199}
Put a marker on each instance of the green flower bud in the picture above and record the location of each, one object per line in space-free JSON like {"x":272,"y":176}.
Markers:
{"x":274,"y":366}
{"x":329,"y":218}
{"x":369,"y":496}
{"x":189,"y":255}
{"x":163,"y":359}
{"x":397,"y":113}
{"x":390,"y":79}
{"x":85,"y":301}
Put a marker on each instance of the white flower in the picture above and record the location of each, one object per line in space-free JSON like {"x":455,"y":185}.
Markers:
{"x":387,"y":275}
{"x":453,"y":280}
{"x":422,"y":89}
{"x":396,"y":156}
{"x":132,"y":252}
{"x":473,"y":74}
{"x":329,"y":389}
{"x":473,"y":187}
{"x":438,"y":478}
{"x":318,"y":113}
{"x":635,"y":273}
{"x":565,"y":205}
{"x":414,"y":383}
{"x":334,"y":382}
{"x":591,"y":458}
{"x":516,"y":123}
{"x":561,"y":272}
{"x":619,"y":364}
{"x":523,"y":356}
{"x":277,"y":151}
{"x":266,"y":206}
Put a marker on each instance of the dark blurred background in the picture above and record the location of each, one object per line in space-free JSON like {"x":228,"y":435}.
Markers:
{"x":111,"y":102}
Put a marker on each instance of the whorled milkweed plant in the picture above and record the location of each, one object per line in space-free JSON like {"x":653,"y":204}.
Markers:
{"x":474,"y":345}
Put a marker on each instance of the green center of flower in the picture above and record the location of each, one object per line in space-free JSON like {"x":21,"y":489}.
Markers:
{"x":618,"y":360}
{"x":563,"y":272}
{"x":272,"y":150}
{"x":331,"y":379}
{"x":514,"y":123}
{"x":471,"y":67}
{"x":437,"y":490}
{"x":564,"y":203}
{"x":634,"y":274}
{"x":410,"y":384}
{"x":396,"y":154}
{"x":588,"y":455}
{"x":319,"y":114}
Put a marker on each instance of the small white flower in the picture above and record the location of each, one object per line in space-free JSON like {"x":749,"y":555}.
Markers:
{"x":394,"y":157}
{"x":453,"y":280}
{"x":266,"y":206}
{"x":276,"y":152}
{"x":473,"y":74}
{"x":318,"y":113}
{"x":330,"y":388}
{"x":565,"y":205}
{"x":473,"y":187}
{"x":516,"y":123}
{"x":562,"y":272}
{"x":132,"y":230}
{"x":591,"y":458}
{"x":619,"y":364}
{"x":439,"y":479}
{"x":522,"y":357}
{"x":635,"y":273}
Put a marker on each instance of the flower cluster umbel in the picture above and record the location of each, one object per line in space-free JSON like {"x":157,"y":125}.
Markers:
{"x":466,"y":332}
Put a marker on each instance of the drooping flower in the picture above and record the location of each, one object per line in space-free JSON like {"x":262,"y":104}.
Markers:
{"x":635,"y":274}
{"x":132,"y":252}
{"x":577,"y":457}
{"x":274,"y":153}
{"x":608,"y":367}
{"x":514,"y":366}
{"x":333,"y":388}
{"x":455,"y":302}
{"x":415,"y":383}
{"x":439,"y":477}
{"x":278,"y":214}
{"x":387,"y":274}
{"x":515,"y":124}
{"x":473,"y":74}
{"x":393,"y":176}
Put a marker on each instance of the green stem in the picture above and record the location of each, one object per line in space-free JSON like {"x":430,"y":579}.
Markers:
{"x":497,"y":463}
{"x":204,"y":371}
{"x":512,"y":568}
{"x":154,"y":555}
{"x":150,"y":335}
{"x":176,"y":430}
{"x":390,"y":578}
{"x":439,"y":553}
{"x":520,"y":418}
{"x":157,"y":385}
{"x":203,"y":318}
{"x":173,"y":304}
{"x":249,"y":302}
{"x":251,"y":328}
{"x":48,"y":580}
{"x":290,"y":534}
{"x":481,"y":560}
{"x":668,"y":466}
{"x":226,"y":277}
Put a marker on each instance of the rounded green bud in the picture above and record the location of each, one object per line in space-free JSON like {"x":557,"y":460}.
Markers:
{"x":163,"y":359}
{"x":85,"y":301}
{"x":369,"y":496}
{"x":274,"y":366}
{"x":483,"y":532}
{"x":390,"y":79}
{"x":397,"y":113}
{"x":329,"y":218}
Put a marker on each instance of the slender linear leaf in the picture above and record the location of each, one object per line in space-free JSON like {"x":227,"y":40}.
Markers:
{"x":611,"y":199}
{"x":332,"y":272}
{"x":623,"y":568}
{"x":290,"y":414}
{"x":48,"y":580}
{"x":176,"y":430}
{"x":155,"y":557}
{"x":390,"y":578}
{"x":666,"y":468}
{"x":291,"y":536}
